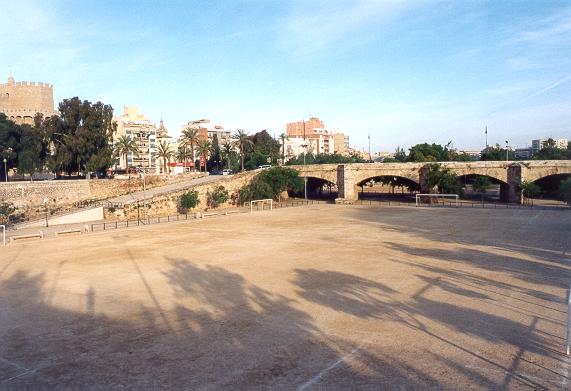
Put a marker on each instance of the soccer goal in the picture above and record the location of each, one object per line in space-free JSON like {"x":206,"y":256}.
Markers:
{"x":429,"y":198}
{"x":263,"y":202}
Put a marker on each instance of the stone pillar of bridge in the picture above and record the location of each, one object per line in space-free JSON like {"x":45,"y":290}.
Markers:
{"x":511,"y":192}
{"x":422,"y":174}
{"x":346,"y":183}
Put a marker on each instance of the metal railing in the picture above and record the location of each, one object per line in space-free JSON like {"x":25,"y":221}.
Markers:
{"x":93,"y":203}
{"x":461,"y":204}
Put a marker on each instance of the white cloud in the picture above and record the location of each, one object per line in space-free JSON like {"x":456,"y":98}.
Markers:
{"x":522,"y":64}
{"x":554,"y":29}
{"x":313,"y":26}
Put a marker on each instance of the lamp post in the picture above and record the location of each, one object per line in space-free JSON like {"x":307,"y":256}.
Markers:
{"x":144,"y":195}
{"x":47,"y":210}
{"x":5,"y":171}
{"x":305,"y":177}
{"x":507,"y":151}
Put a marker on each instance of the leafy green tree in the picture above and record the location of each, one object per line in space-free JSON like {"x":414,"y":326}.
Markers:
{"x":217,"y":197}
{"x":242,"y":141}
{"x":441,"y":178}
{"x":481,"y":184}
{"x":189,"y":138}
{"x":325,"y":158}
{"x":496,"y":153}
{"x":270,"y":183}
{"x":189,"y":200}
{"x":10,"y":136}
{"x":551,"y":152}
{"x":164,"y":152}
{"x":428,"y":153}
{"x":530,"y":189}
{"x":125,"y":145}
{"x":264,"y":150}
{"x":565,"y":191}
{"x":215,"y":159}
{"x":82,"y":135}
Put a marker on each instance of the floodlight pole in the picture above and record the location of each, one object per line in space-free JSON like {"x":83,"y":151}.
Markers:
{"x":144,"y":196}
{"x":507,"y":151}
{"x":47,"y":210}
{"x":5,"y":171}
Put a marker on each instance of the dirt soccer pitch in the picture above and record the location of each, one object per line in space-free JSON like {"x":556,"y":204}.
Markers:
{"x":314,"y":297}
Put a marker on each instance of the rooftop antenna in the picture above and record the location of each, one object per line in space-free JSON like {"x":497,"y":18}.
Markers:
{"x":369,"y":136}
{"x":486,"y":136}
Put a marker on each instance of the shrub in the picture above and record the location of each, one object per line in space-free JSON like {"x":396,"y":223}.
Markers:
{"x":6,"y":212}
{"x":189,"y":200}
{"x":217,"y":197}
{"x":565,"y":191}
{"x":446,"y":181}
{"x":270,"y":183}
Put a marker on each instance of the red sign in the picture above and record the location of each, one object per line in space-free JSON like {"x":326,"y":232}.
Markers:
{"x":202,"y":161}
{"x":181,"y":164}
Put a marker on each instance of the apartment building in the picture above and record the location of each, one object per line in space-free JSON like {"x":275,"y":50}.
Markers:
{"x":139,"y":128}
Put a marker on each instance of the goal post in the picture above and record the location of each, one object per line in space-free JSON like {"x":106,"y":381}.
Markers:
{"x":420,"y":197}
{"x":263,"y":202}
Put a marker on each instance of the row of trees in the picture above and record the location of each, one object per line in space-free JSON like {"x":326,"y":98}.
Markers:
{"x":437,"y":153}
{"x":241,"y":152}
{"x":77,"y":141}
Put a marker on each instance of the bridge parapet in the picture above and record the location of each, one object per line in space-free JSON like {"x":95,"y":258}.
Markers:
{"x":510,"y":174}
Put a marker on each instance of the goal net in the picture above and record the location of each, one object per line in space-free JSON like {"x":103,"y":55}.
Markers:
{"x":437,"y":199}
{"x":261,"y":204}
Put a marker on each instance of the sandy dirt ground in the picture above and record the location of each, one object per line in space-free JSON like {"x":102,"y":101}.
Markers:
{"x":317,"y":297}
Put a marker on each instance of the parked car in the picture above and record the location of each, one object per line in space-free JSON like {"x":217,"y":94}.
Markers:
{"x":265,"y":166}
{"x":226,"y":172}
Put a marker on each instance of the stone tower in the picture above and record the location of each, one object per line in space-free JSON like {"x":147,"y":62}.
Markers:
{"x":20,"y":101}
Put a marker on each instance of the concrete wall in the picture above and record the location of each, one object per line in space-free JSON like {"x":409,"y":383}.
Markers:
{"x":31,"y":194}
{"x":83,"y":216}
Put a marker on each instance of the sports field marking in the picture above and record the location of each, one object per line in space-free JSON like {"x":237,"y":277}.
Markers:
{"x":317,"y":377}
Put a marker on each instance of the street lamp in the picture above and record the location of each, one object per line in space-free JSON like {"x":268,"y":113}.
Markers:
{"x":142,"y":172}
{"x":5,"y":171}
{"x":47,"y":210}
{"x":305,"y":177}
{"x":507,"y":150}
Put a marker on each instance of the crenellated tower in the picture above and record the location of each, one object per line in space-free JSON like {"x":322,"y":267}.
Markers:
{"x":20,"y":101}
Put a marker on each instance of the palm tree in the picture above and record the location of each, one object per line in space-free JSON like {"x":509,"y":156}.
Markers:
{"x":242,"y":140}
{"x":189,"y":137}
{"x":123,"y":146}
{"x":203,"y":148}
{"x":182,"y":154}
{"x":165,"y":152}
{"x":227,"y":148}
{"x":283,"y":137}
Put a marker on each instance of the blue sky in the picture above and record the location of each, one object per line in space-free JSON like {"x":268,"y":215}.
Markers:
{"x":405,"y":71}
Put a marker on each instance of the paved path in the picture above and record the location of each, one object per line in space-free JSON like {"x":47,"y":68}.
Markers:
{"x":149,"y":193}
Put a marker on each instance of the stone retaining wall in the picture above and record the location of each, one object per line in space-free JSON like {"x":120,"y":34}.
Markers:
{"x":168,"y":204}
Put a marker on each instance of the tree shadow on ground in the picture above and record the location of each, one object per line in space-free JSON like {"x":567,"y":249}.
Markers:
{"x":370,"y":299}
{"x":219,"y":331}
{"x":544,"y":234}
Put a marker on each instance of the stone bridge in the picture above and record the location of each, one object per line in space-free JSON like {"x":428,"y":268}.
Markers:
{"x":510,"y":175}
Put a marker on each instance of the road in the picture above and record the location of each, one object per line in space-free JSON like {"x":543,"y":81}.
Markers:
{"x":149,"y":193}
